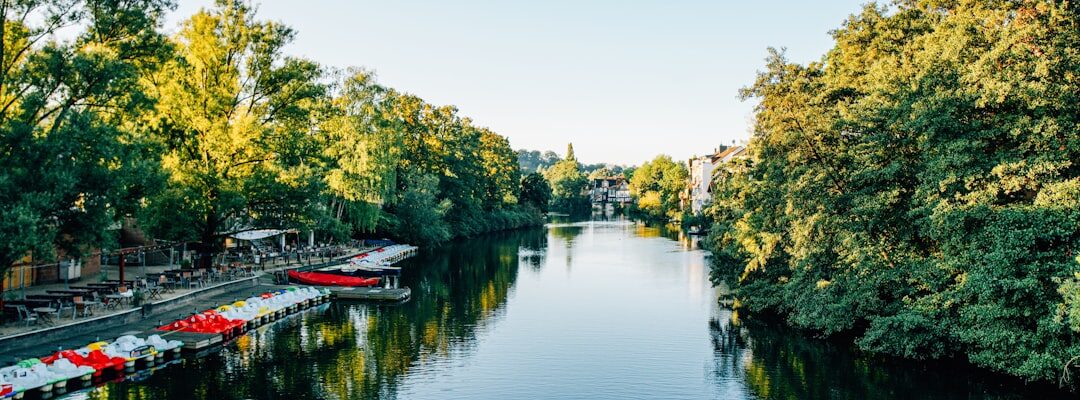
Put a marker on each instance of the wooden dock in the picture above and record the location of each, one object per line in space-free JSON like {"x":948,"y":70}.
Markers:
{"x":367,"y":293}
{"x":194,"y":341}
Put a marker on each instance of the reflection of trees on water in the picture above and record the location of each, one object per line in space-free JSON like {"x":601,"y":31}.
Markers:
{"x":779,"y":364}
{"x":567,"y":233}
{"x":352,"y":351}
{"x":533,"y":249}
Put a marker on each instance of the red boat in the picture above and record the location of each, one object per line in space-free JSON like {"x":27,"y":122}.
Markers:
{"x":96,"y":359}
{"x":323,"y":279}
{"x":207,"y":322}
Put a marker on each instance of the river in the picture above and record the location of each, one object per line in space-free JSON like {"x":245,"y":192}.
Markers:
{"x":588,"y":310}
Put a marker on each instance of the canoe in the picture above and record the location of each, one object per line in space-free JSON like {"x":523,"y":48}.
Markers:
{"x":324,"y":279}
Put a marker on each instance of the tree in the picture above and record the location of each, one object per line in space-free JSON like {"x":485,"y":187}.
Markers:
{"x":567,"y":184}
{"x":72,"y":160}
{"x":657,"y":185}
{"x":536,"y":191}
{"x":235,"y":119}
{"x":360,"y":154}
{"x":916,"y":188}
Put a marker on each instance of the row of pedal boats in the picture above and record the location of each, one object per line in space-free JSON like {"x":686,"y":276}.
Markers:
{"x":101,"y":361}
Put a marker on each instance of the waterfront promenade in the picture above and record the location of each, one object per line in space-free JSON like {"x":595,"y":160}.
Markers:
{"x":19,"y":340}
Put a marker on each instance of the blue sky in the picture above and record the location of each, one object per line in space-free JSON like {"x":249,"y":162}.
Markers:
{"x":622,"y":80}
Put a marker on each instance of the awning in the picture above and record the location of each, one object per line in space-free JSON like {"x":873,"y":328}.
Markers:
{"x":257,"y":234}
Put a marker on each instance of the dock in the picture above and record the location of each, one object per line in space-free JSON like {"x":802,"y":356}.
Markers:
{"x":367,"y":293}
{"x":193,"y":341}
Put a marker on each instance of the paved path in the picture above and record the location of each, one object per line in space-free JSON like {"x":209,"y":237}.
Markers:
{"x":83,"y":337}
{"x":134,"y":272}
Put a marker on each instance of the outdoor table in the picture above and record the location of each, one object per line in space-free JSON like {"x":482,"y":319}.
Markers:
{"x":87,"y":307}
{"x":45,"y":314}
{"x":112,"y":301}
{"x":154,"y":292}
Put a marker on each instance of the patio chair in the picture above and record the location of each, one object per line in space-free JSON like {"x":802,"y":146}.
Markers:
{"x":25,"y":315}
{"x":61,"y":308}
{"x":85,"y":306}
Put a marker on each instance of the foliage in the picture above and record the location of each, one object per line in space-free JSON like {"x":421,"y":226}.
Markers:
{"x":359,"y":155}
{"x":418,"y":215}
{"x":533,"y":161}
{"x":535,"y":191}
{"x":215,"y":131}
{"x":72,"y":162}
{"x":567,"y":185}
{"x":916,"y":188}
{"x":243,"y":158}
{"x":656,"y":186}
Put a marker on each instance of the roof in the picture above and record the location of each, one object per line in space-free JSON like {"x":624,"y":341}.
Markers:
{"x":728,"y":154}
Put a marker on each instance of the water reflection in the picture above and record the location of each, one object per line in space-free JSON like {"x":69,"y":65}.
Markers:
{"x":638,"y":318}
{"x":775,"y":363}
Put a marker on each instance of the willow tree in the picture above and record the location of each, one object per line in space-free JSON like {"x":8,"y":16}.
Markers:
{"x":236,"y":119}
{"x":70,"y":164}
{"x":361,"y":148}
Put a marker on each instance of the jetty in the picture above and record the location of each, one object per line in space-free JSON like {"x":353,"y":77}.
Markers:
{"x":370,"y":294}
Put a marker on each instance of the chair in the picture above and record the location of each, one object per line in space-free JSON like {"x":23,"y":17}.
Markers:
{"x":84,"y":307}
{"x":25,"y":315}
{"x":125,"y":293}
{"x":153,"y":291}
{"x":62,"y":306}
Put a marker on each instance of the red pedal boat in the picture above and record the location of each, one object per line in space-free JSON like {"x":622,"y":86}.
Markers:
{"x":323,"y":279}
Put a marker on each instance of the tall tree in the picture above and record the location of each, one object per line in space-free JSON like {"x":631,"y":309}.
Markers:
{"x":236,"y":120}
{"x":360,"y":146}
{"x":567,"y":184}
{"x":72,"y":162}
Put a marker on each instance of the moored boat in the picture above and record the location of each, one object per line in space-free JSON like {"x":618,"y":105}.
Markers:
{"x":325,"y":279}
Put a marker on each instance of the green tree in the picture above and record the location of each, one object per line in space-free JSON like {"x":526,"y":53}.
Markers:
{"x":657,"y":185}
{"x":360,"y":148}
{"x":72,"y":159}
{"x":236,"y":119}
{"x":916,"y":188}
{"x":567,"y":184}
{"x":536,"y":191}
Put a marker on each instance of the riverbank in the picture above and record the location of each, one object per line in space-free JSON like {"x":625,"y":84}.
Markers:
{"x":28,"y":339}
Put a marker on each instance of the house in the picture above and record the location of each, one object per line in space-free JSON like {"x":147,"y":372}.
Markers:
{"x":698,"y":193}
{"x":612,"y":190}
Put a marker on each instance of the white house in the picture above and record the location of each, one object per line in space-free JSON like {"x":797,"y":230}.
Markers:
{"x":698,"y":193}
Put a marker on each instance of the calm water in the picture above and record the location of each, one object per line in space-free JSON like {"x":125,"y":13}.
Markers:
{"x":594,"y":310}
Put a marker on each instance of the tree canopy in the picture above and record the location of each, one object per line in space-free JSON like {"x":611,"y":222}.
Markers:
{"x":917,"y":188}
{"x":656,"y":186}
{"x":71,"y":162}
{"x":568,"y":184}
{"x":216,"y":130}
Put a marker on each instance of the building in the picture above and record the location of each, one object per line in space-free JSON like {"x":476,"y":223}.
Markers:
{"x":610,"y":190}
{"x":698,"y":193}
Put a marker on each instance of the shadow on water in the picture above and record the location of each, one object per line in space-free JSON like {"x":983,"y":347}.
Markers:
{"x":777,"y":363}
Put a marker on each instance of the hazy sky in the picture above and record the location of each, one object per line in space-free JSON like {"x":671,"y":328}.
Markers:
{"x":623,"y":80}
